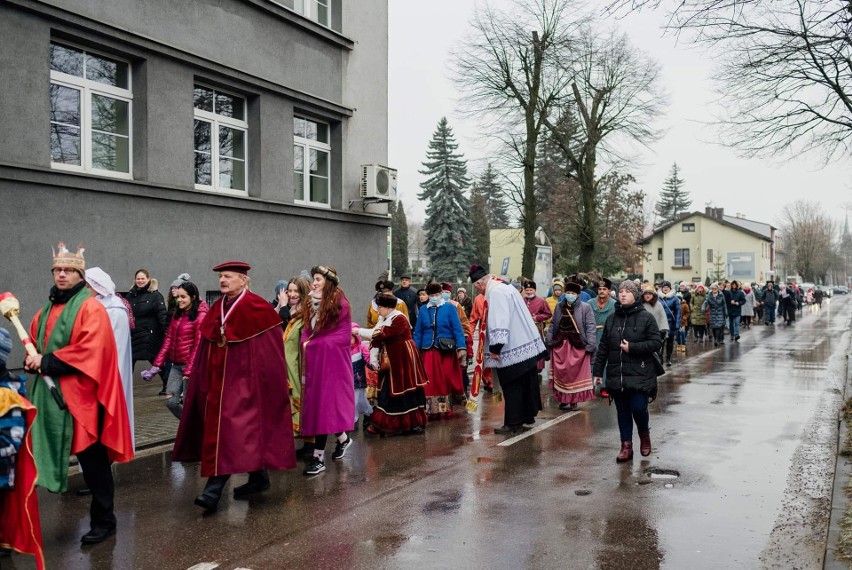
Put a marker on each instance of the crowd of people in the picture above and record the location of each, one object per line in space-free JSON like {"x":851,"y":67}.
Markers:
{"x":249,"y":378}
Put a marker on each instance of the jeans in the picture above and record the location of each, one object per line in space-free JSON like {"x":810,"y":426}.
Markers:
{"x":681,"y":336}
{"x":177,"y":388}
{"x":631,"y":406}
{"x":734,"y":326}
{"x":770,"y":314}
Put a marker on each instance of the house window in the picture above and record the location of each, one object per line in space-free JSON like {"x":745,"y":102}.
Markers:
{"x":90,"y":112}
{"x":660,"y":253}
{"x":220,"y":141}
{"x":317,"y":10}
{"x":311,"y":157}
{"x":681,"y":257}
{"x":709,"y":256}
{"x":687,"y":227}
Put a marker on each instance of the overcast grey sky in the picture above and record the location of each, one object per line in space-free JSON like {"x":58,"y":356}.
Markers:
{"x":424,"y":32}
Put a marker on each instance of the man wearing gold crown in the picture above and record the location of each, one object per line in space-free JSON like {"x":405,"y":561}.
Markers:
{"x":73,"y":336}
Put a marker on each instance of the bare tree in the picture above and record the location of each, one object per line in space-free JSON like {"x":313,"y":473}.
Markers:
{"x":510,"y":74}
{"x":785,"y":78}
{"x":615,"y":98}
{"x":809,"y":236}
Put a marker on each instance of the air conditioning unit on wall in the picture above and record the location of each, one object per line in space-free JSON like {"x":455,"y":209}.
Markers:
{"x":378,"y":183}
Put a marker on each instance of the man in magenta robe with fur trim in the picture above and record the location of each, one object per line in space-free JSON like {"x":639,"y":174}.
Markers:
{"x":236,"y":415}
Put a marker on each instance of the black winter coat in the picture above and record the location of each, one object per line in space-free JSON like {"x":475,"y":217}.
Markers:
{"x":632,"y":370}
{"x":151,"y":314}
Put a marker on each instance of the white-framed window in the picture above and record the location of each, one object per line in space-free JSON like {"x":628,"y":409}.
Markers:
{"x":90,"y":112}
{"x":687,"y":227}
{"x":317,"y":10}
{"x":220,"y":141}
{"x":681,"y":257}
{"x":311,"y":157}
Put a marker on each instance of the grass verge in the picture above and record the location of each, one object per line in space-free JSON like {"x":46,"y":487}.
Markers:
{"x":844,"y":542}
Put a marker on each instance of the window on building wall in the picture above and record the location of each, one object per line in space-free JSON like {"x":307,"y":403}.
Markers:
{"x":709,"y":256}
{"x":687,"y":227}
{"x":311,"y":157}
{"x":220,"y":140}
{"x":659,"y":253}
{"x":317,"y":10}
{"x":681,"y":257}
{"x":90,"y":111}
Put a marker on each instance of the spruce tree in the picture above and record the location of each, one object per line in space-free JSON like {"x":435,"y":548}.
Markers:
{"x":674,"y":200}
{"x":399,"y":241}
{"x":447,"y":223}
{"x":495,"y":199}
{"x":479,"y":228}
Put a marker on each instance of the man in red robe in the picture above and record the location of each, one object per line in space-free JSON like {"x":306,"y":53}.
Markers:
{"x":236,"y":416}
{"x":76,"y":348}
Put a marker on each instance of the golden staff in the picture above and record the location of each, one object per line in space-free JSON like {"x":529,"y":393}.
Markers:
{"x":11,"y":308}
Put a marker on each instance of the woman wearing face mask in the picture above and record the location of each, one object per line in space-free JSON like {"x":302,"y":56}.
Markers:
{"x":572,"y":340}
{"x":297,"y":291}
{"x":626,"y":353}
{"x":180,"y":345}
{"x":328,"y":402}
{"x":440,"y":338}
{"x":538,"y":309}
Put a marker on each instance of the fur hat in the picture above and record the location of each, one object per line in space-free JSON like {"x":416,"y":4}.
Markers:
{"x":574,"y":287}
{"x":387,"y":301}
{"x":529,"y":284}
{"x":384,"y":284}
{"x":630,"y":286}
{"x":327,"y":271}
{"x":477,"y":272}
{"x":606,"y":283}
{"x":433,"y":288}
{"x":445,"y":286}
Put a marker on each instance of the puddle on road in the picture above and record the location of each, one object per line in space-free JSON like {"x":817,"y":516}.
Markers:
{"x":656,"y":473}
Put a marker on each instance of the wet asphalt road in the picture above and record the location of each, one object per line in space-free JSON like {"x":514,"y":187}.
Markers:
{"x":750,"y":428}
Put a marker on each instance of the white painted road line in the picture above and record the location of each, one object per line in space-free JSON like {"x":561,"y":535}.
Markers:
{"x":535,"y":430}
{"x":204,"y":566}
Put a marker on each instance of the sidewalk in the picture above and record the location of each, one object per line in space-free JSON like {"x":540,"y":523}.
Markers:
{"x":155,"y":424}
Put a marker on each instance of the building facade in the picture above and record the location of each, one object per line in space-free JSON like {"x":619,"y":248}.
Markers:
{"x":174,"y":135}
{"x":700,"y":246}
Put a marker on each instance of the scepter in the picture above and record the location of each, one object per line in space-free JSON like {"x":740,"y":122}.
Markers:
{"x":11,"y":308}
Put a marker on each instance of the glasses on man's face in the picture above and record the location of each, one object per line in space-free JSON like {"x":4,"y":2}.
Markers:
{"x":65,"y":270}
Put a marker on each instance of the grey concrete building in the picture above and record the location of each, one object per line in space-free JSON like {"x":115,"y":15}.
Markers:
{"x":174,"y":135}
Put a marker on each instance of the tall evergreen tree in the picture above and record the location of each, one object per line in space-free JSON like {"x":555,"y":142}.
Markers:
{"x":495,"y":198}
{"x":674,"y":200}
{"x":399,"y":241}
{"x":479,"y":227}
{"x":448,"y":241}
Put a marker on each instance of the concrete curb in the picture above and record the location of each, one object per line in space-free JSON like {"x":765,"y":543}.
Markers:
{"x":842,"y":472}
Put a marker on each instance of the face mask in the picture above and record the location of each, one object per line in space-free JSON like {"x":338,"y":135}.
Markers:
{"x":570,"y":297}
{"x":434,"y":300}
{"x":445,"y":296}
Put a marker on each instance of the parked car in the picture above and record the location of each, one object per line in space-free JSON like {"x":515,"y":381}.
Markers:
{"x":840,"y":290}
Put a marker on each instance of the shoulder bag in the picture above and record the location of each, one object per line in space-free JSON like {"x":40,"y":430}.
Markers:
{"x":441,"y":343}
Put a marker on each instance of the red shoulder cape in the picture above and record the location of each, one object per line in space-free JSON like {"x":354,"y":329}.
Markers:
{"x":255,"y":316}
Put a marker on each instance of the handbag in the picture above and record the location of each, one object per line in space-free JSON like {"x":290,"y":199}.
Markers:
{"x":574,"y":336}
{"x":441,"y":343}
{"x":659,"y":369}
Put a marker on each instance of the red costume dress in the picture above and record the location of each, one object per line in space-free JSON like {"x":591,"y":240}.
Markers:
{"x":540,"y":311}
{"x":236,"y":415}
{"x":401,"y":402}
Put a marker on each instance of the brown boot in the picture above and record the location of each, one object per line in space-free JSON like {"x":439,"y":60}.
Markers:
{"x":626,"y":452}
{"x":645,"y":443}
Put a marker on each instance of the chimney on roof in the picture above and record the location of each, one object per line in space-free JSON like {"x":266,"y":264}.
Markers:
{"x":715,"y":213}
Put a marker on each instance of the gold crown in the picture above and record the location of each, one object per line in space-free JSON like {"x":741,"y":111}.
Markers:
{"x":64,"y":258}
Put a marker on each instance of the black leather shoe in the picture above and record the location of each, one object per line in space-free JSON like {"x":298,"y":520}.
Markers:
{"x":206,"y":503}
{"x":97,"y":535}
{"x":507,"y":430}
{"x":250,"y":488}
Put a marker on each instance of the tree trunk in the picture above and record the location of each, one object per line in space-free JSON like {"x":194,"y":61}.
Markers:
{"x":588,"y":220}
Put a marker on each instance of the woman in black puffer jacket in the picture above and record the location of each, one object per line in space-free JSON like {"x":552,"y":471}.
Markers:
{"x":150,"y":312}
{"x":626,"y":351}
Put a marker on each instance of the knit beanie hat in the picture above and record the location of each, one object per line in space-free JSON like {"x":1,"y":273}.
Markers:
{"x":476,"y":273}
{"x":630,"y":286}
{"x":5,"y":345}
{"x":182,"y":278}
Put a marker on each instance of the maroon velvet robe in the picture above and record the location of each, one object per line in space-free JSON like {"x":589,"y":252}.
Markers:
{"x":236,"y":416}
